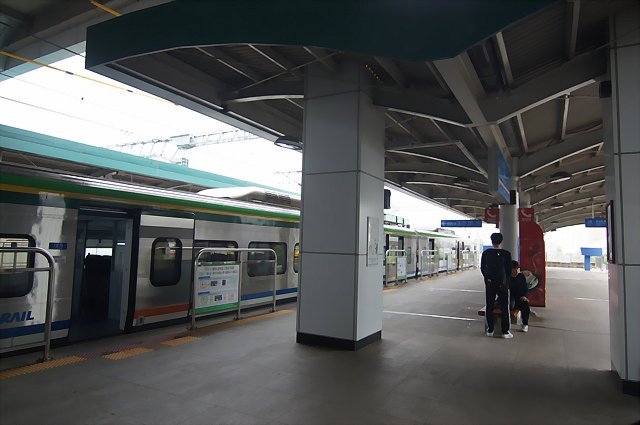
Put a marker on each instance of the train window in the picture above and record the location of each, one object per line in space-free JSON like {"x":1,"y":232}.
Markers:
{"x":409,"y":255}
{"x":214,"y":257}
{"x":261,"y":263}
{"x":296,"y":258}
{"x":166,"y":261}
{"x":16,"y":284}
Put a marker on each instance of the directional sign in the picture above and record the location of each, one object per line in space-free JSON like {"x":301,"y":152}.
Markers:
{"x":460,"y":223}
{"x":595,"y":222}
{"x":499,"y":175}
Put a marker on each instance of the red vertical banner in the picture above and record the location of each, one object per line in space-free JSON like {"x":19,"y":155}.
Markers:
{"x":492,"y":216}
{"x":532,"y":257}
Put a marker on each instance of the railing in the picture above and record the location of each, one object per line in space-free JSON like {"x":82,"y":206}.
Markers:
{"x":431,"y":262}
{"x":50,"y":287}
{"x":386,"y":266}
{"x":206,"y":250}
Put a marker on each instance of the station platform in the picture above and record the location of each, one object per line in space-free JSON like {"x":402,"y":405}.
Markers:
{"x":433,"y":366}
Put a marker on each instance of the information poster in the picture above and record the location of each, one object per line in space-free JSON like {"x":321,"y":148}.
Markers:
{"x":216,"y":287}
{"x":402,"y":268}
{"x":373,"y":241}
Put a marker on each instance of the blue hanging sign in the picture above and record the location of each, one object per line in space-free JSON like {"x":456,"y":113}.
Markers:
{"x":499,"y":175}
{"x":595,"y":222}
{"x":460,"y":223}
{"x":58,"y":245}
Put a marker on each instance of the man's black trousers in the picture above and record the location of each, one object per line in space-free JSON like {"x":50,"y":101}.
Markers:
{"x":523,"y":306}
{"x":502,"y":292}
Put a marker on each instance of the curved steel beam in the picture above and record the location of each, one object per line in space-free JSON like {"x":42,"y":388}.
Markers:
{"x":557,"y":189}
{"x":571,"y":209}
{"x":449,"y":185}
{"x":579,"y":72}
{"x":542,"y":177}
{"x":433,"y":158}
{"x":573,"y":145}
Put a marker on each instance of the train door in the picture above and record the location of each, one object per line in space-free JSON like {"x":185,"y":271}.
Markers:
{"x":102,"y":269}
{"x":164,"y":269}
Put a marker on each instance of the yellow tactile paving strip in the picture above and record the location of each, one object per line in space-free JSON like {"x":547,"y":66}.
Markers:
{"x":178,"y":341}
{"x":226,"y":325}
{"x":131,"y":352}
{"x":127,"y":353}
{"x":40,"y":366}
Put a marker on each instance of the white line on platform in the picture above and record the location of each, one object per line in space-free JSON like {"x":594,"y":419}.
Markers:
{"x":591,"y":299}
{"x":437,"y":316}
{"x":456,"y":290}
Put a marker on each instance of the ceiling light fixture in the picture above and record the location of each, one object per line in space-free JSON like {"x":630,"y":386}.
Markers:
{"x":559,"y":176}
{"x":556,"y":205}
{"x":289,"y":142}
{"x":462,"y":181}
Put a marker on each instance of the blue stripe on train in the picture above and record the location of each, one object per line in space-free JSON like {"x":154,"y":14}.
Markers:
{"x":268,"y":294}
{"x":32,"y":329}
{"x":64,"y":324}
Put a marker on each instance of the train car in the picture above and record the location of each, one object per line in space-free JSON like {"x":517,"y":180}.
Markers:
{"x":422,"y":253}
{"x":124,"y":253}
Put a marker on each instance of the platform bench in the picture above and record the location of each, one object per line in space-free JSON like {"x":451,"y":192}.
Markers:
{"x":514,"y":313}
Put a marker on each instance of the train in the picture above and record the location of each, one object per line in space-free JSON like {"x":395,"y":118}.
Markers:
{"x":124,"y":253}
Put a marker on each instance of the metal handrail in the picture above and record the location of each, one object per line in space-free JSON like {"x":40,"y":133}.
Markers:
{"x":386,"y":265}
{"x":50,"y":288}
{"x":422,"y":252}
{"x":193,"y":281}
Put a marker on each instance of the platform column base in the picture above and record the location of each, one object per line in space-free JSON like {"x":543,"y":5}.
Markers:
{"x":341,"y":344}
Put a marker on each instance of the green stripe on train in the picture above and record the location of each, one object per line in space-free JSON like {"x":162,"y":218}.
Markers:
{"x":36,"y":183}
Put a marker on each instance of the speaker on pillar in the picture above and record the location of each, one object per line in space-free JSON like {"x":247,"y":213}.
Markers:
{"x":604,"y":90}
{"x":512,"y":197}
{"x":387,"y":199}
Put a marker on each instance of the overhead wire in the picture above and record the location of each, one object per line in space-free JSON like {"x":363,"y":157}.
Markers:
{"x":59,"y":113}
{"x":84,"y":77}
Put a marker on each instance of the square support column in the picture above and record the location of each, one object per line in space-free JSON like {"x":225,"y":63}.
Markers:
{"x":622,"y":173}
{"x":340,"y":291}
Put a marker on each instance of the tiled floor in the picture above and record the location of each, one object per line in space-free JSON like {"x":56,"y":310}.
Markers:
{"x":426,"y":370}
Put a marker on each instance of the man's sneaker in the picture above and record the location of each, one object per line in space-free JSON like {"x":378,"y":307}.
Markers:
{"x":508,"y":335}
{"x":489,"y":333}
{"x":525,"y":328}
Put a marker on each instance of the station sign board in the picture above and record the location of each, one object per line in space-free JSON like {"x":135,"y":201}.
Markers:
{"x":460,"y":223}
{"x":595,"y":222}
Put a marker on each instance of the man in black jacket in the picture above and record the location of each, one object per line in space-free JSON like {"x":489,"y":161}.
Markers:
{"x":495,"y":266}
{"x":519,"y":291}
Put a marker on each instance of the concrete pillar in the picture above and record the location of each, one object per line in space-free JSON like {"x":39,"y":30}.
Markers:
{"x":524,"y":199}
{"x":340,"y":293}
{"x":509,"y":225}
{"x":622,"y":170}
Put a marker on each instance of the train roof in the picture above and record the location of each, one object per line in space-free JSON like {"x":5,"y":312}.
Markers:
{"x":21,"y":178}
{"x":403,"y":231}
{"x":13,"y":178}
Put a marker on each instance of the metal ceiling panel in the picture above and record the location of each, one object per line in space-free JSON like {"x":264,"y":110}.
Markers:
{"x":208,"y":65}
{"x":542,"y":124}
{"x":536,"y":41}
